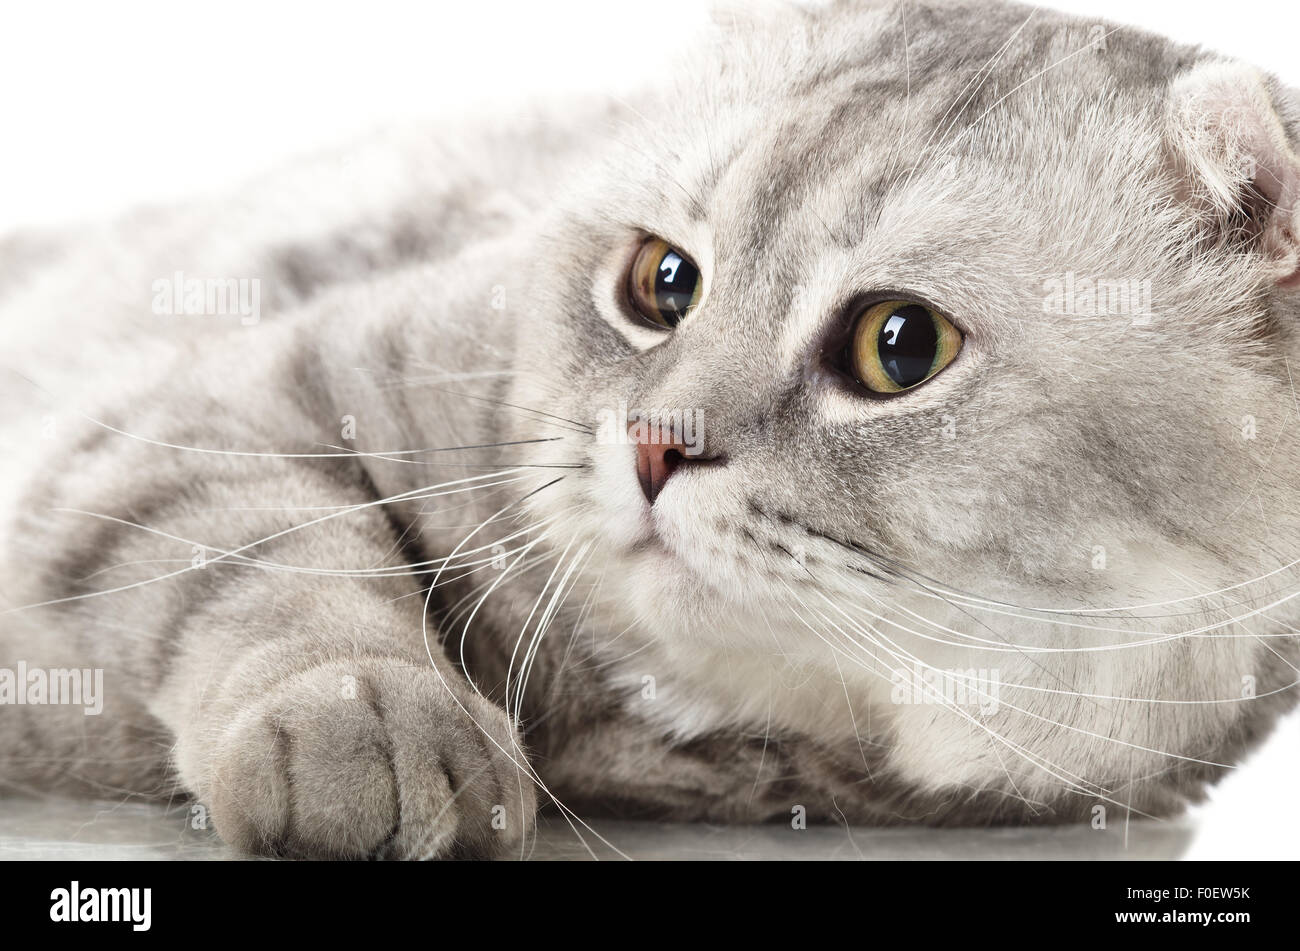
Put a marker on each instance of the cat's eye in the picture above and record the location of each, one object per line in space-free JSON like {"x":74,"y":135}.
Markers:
{"x":896,"y":345}
{"x":663,"y":284}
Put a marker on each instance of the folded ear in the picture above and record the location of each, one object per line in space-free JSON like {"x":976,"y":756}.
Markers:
{"x":1227,"y":130}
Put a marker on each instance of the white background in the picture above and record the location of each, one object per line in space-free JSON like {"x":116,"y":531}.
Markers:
{"x":106,"y":105}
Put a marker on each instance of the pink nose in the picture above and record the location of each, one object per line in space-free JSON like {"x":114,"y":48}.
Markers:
{"x":655,"y":462}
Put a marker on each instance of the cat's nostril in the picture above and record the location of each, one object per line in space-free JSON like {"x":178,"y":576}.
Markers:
{"x":657,"y":460}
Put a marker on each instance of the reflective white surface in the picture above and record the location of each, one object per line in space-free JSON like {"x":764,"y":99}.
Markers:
{"x":64,"y":829}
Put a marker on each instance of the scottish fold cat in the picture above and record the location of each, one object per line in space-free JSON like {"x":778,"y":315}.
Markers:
{"x":890,"y":418}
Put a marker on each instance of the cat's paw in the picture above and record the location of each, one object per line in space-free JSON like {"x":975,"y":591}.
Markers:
{"x":370,"y":759}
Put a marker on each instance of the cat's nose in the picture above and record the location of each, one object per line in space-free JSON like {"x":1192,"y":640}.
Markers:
{"x":658,"y":455}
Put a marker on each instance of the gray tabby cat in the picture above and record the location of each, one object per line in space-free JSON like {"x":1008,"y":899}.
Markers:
{"x":889,"y":420}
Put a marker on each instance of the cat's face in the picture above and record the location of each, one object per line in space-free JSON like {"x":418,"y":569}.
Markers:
{"x":1019,"y":181}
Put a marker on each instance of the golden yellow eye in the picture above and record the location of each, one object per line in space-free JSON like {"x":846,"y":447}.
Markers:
{"x":663,"y":284}
{"x":898,"y":344}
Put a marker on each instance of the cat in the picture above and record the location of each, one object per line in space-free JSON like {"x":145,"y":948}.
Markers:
{"x":888,"y":419}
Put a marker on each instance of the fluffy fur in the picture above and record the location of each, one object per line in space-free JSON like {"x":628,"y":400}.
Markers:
{"x":396,"y":641}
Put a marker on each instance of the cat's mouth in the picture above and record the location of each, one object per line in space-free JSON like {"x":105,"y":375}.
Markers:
{"x":656,"y":538}
{"x":650,"y":499}
{"x":650,"y":537}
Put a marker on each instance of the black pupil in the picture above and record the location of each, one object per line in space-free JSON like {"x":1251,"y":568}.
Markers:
{"x":908,"y":344}
{"x":675,"y":287}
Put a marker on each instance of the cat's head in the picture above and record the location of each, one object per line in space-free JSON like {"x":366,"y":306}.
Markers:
{"x":991,"y":299}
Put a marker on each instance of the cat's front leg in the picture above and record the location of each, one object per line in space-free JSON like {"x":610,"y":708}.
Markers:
{"x":284,"y":661}
{"x":312,"y":720}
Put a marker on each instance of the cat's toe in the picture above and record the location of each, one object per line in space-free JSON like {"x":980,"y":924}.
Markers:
{"x":377,"y":759}
{"x":462,"y":778}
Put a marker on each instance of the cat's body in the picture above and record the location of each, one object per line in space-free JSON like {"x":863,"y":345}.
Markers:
{"x":736,"y":649}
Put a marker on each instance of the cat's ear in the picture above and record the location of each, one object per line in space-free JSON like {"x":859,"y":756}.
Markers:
{"x":1228,"y":130}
